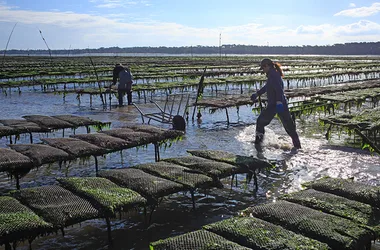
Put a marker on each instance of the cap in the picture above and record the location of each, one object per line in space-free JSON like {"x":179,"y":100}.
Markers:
{"x":265,"y":61}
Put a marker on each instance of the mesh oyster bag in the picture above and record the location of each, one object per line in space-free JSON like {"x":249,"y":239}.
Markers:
{"x":197,"y":240}
{"x":337,"y":232}
{"x":258,"y":234}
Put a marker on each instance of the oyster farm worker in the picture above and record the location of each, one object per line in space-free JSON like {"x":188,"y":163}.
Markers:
{"x":125,"y":83}
{"x":277,"y":103}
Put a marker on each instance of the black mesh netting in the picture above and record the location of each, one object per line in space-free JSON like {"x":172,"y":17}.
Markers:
{"x":13,"y":161}
{"x":146,"y":128}
{"x":148,"y":185}
{"x":159,"y":133}
{"x":41,"y":154}
{"x":258,"y":234}
{"x":134,"y":138}
{"x":171,"y":134}
{"x":350,"y":95}
{"x":17,"y":222}
{"x":75,"y":147}
{"x":322,"y":90}
{"x":248,"y":162}
{"x":333,"y":204}
{"x":57,"y":205}
{"x":178,"y":174}
{"x":77,"y":121}
{"x":23,"y":126}
{"x":368,"y":119}
{"x":103,"y":140}
{"x":197,"y":240}
{"x":104,"y":194}
{"x":211,"y":168}
{"x":348,"y":188}
{"x":48,"y":121}
{"x":6,"y":131}
{"x":337,"y":232}
{"x":225,"y":102}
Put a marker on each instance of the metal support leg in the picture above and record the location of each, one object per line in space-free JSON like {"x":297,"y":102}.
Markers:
{"x":193,"y":198}
{"x":17,"y":177}
{"x":153,"y":207}
{"x":255,"y":180}
{"x":228,"y":118}
{"x":109,"y":230}
{"x":156,"y":152}
{"x":96,"y":165}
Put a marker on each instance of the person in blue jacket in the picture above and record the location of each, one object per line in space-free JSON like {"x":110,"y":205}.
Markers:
{"x":277,"y":103}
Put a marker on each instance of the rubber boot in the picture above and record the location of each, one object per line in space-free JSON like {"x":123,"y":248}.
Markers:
{"x":296,"y":142}
{"x":129,"y":98}
{"x":259,"y":138}
{"x":120,"y":97}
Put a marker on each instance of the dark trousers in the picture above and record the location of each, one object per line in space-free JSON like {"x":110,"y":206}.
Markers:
{"x":267,"y":115}
{"x":121,"y":94}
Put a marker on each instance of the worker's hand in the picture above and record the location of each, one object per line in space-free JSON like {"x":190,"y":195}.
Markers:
{"x":279,"y":107}
{"x":254,"y":97}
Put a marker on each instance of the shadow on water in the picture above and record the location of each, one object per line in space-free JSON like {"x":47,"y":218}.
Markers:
{"x":174,"y":216}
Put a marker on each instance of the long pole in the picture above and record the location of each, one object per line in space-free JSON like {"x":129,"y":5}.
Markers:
{"x":9,"y":38}
{"x":43,"y":38}
{"x":200,"y":91}
{"x":97,"y":78}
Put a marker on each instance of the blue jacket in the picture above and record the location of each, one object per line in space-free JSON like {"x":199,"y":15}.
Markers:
{"x":274,"y":88}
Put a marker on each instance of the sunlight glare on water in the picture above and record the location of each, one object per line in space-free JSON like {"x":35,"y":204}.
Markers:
{"x":316,"y":159}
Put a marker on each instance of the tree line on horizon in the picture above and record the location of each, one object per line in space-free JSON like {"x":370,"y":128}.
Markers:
{"x":357,"y":48}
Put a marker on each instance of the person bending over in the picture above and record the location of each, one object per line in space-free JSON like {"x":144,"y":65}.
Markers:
{"x":125,"y":83}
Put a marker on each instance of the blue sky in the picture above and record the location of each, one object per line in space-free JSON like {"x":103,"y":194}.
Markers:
{"x":79,"y":24}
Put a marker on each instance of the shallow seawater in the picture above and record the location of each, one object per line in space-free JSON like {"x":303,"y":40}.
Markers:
{"x":174,"y":216}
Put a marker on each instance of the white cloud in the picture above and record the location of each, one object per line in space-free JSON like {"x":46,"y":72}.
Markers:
{"x":109,"y":5}
{"x":112,"y":4}
{"x":146,"y":3}
{"x":361,"y":31}
{"x":352,"y":5}
{"x":360,"y":12}
{"x":62,"y":29}
{"x":63,"y":19}
{"x":311,"y":29}
{"x":362,"y":27}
